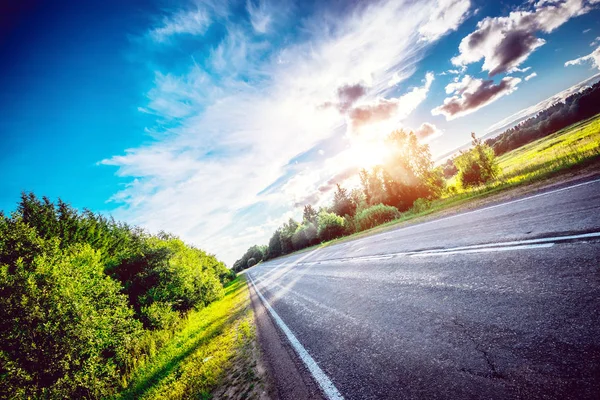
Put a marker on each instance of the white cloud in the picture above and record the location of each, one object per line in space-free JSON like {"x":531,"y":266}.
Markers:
{"x":186,"y":22}
{"x":594,"y":57}
{"x":259,"y":16}
{"x":531,"y":76}
{"x":471,"y":94}
{"x":446,"y":17}
{"x":504,"y":43}
{"x":230,"y":127}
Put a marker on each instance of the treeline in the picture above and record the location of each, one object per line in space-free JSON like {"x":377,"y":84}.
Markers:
{"x":576,"y":107}
{"x":405,"y":181}
{"x":86,"y":299}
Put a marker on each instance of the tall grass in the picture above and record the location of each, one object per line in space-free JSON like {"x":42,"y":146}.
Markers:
{"x":194,"y":359}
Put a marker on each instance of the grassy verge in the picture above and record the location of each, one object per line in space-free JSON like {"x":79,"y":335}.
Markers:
{"x":213,"y":352}
{"x":571,"y":148}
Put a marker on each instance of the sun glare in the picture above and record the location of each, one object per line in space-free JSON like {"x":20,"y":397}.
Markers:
{"x":368,"y":154}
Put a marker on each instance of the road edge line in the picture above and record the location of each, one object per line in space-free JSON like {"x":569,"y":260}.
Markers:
{"x":329,"y":389}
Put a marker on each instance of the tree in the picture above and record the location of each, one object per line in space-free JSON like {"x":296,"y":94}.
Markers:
{"x":274,"y":248}
{"x":331,"y":226}
{"x":309,"y":215}
{"x":477,"y":165}
{"x":342,"y":203}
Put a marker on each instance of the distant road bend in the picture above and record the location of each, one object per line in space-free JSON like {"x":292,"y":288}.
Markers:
{"x":497,"y":303}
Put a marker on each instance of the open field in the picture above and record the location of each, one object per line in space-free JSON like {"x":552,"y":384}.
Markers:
{"x":214,"y":354}
{"x":563,"y":149}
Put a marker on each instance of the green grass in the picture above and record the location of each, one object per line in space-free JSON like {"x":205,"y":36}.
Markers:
{"x":563,"y":149}
{"x":198,"y":357}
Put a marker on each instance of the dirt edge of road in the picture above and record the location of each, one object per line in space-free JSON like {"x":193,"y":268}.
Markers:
{"x":289,"y":378}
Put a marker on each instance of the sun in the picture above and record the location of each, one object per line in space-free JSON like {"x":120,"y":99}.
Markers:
{"x":368,"y":153}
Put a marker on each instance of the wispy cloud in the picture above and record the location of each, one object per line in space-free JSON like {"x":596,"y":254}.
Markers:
{"x":447,"y":16}
{"x":193,"y":22}
{"x":531,"y":76}
{"x":593,"y":57}
{"x":239,"y":121}
{"x":259,"y":16}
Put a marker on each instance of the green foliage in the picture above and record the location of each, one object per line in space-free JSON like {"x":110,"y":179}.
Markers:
{"x":274,"y":249}
{"x":197,"y":359}
{"x":76,"y":290}
{"x":159,"y":315}
{"x":405,"y":176}
{"x":477,"y":165}
{"x":305,"y":236}
{"x":66,"y":328}
{"x":420,"y":205}
{"x":331,"y":226}
{"x":258,"y":253}
{"x":309,"y":215}
{"x":287,"y":231}
{"x":342,"y":202}
{"x":375,"y":215}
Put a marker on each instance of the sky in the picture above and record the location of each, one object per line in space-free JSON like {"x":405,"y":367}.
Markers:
{"x":219,"y":120}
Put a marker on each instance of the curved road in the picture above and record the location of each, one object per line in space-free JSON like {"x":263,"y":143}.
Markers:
{"x":497,"y":303}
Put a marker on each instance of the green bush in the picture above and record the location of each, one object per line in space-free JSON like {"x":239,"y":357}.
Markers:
{"x":331,"y":226}
{"x":76,"y":290}
{"x":251,"y":262}
{"x":420,"y":205}
{"x":375,"y":215}
{"x":159,"y":315}
{"x":478,"y":165}
{"x":66,"y":328}
{"x":305,"y":236}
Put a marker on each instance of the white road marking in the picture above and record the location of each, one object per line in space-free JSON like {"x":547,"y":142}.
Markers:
{"x":322,"y":379}
{"x":485,"y":208}
{"x":482,"y":250}
{"x":524,"y":244}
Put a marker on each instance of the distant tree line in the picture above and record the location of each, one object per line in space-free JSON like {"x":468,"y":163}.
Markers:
{"x":84,"y":299}
{"x":576,"y":107}
{"x":404,"y":181}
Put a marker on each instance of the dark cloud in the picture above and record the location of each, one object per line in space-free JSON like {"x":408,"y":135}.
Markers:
{"x":348,"y":94}
{"x":504,"y":43}
{"x":473,"y":94}
{"x":379,"y":111}
{"x":338,"y":178}
{"x":427,"y":130}
{"x":513,"y":49}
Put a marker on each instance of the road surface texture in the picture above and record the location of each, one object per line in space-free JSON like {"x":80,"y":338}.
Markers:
{"x":423,"y":312}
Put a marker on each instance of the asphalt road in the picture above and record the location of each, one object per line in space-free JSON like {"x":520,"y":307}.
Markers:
{"x":393,"y":316}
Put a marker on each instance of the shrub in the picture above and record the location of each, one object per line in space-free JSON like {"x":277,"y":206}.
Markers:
{"x":420,"y":205}
{"x":331,"y":226}
{"x":65,"y":327}
{"x":251,"y":262}
{"x":159,"y":315}
{"x":306,"y":235}
{"x":477,"y":165}
{"x":375,"y":215}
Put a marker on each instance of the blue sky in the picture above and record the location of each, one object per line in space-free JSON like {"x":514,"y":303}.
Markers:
{"x":218,"y":120}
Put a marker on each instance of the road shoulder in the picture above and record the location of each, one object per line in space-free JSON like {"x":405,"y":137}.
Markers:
{"x":290,"y":380}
